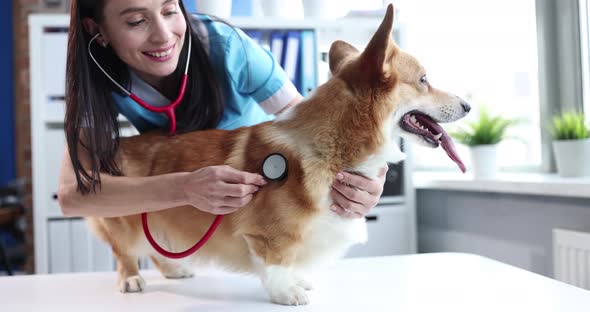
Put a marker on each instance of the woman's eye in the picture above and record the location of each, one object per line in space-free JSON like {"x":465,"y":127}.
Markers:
{"x":171,"y":9}
{"x":423,"y":80}
{"x":135,"y":23}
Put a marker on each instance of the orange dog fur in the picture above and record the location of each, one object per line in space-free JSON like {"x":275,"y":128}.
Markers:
{"x":346,"y":124}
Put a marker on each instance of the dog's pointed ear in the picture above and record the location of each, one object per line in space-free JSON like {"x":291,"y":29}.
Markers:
{"x":381,"y":49}
{"x":339,"y":51}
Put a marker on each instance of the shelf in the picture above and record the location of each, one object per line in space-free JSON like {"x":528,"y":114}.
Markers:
{"x":510,"y":183}
{"x":274,"y":23}
{"x":386,"y":200}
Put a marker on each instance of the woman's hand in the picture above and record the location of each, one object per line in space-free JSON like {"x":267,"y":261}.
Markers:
{"x":355,"y":195}
{"x":220,"y":189}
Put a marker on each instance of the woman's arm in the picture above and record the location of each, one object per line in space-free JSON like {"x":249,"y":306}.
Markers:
{"x":293,"y":102}
{"x":118,"y":196}
{"x":216,"y":190}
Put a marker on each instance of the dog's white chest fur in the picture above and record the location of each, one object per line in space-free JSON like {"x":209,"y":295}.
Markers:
{"x":329,"y":235}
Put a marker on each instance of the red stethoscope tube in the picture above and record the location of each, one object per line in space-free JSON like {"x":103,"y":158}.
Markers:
{"x":182,"y":254}
{"x":168,"y":110}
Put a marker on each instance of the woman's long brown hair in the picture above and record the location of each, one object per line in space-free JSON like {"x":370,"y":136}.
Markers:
{"x":90,"y":106}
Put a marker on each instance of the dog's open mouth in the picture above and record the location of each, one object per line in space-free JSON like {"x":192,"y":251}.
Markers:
{"x":424,"y":126}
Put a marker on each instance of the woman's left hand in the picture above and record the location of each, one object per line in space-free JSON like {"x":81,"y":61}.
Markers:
{"x":355,"y":195}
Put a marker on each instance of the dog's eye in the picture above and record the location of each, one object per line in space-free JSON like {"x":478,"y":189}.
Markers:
{"x":423,"y":80}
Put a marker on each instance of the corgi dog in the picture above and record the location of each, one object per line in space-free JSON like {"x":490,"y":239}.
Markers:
{"x":348,"y":123}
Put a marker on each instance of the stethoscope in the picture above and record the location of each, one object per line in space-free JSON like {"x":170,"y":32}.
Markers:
{"x":166,"y":109}
{"x":274,"y":166}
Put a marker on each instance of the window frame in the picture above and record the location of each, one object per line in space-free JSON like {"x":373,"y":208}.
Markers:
{"x":583,"y":7}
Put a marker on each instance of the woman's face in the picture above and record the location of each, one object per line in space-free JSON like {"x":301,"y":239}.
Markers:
{"x":148,"y":35}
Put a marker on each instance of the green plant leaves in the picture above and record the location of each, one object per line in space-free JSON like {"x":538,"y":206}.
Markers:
{"x":570,"y":126}
{"x":488,"y":129}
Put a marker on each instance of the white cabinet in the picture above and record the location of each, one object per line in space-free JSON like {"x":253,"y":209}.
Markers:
{"x":54,"y":138}
{"x":388,"y":227}
{"x":61,"y":245}
{"x":73,"y":249}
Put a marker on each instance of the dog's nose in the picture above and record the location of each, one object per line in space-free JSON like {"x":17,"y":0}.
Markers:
{"x":466,"y":106}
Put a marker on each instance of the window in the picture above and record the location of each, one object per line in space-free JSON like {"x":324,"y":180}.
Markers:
{"x":486,"y":53}
{"x":585,"y":53}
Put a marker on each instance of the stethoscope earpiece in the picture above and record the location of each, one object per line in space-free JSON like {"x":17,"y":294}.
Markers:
{"x":274,"y":167}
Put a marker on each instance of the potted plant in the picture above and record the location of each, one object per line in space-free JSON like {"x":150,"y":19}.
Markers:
{"x":482,"y":136}
{"x":571,"y":144}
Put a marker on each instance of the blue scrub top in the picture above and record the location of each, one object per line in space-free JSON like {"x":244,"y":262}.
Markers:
{"x":254,"y":85}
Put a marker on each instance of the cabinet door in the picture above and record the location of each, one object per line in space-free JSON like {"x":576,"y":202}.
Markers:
{"x":53,"y":72}
{"x":80,"y":251}
{"x":101,"y":255}
{"x":388,"y":232}
{"x":54,"y":150}
{"x":89,"y":254}
{"x":60,"y":247}
{"x":72,"y":248}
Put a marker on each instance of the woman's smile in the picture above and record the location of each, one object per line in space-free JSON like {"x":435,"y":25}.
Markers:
{"x":161,"y":55}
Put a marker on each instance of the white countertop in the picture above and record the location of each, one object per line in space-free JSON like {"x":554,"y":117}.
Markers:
{"x":511,"y":183}
{"x":424,"y":282}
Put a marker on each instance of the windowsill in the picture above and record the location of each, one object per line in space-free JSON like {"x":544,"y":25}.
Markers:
{"x":510,"y":183}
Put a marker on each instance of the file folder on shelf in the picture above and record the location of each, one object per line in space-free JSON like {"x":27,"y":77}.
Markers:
{"x":291,"y":56}
{"x":277,"y":41}
{"x":255,"y":35}
{"x":308,"y":63}
{"x":295,"y":51}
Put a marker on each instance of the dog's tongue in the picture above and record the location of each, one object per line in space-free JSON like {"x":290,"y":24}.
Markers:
{"x":449,"y":147}
{"x":447,"y":142}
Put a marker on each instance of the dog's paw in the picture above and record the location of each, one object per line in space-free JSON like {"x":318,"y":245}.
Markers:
{"x":178,"y":272}
{"x":290,"y":295}
{"x":133,"y":283}
{"x":303,"y":283}
{"x":284,"y":286}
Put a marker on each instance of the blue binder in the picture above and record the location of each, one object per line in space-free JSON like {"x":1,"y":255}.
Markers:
{"x":291,"y":56}
{"x":255,"y":35}
{"x":308,"y":63}
{"x":277,"y":42}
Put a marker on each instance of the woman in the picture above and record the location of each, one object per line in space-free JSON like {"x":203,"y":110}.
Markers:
{"x":143,"y":46}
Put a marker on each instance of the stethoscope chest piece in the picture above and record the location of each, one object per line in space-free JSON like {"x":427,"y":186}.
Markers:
{"x":274,"y":167}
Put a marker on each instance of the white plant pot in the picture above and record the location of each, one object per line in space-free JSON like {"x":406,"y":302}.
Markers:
{"x":219,"y":8}
{"x":572,"y":157}
{"x":483,"y":158}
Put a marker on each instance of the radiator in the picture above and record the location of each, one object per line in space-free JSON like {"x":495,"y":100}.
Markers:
{"x":571,"y":257}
